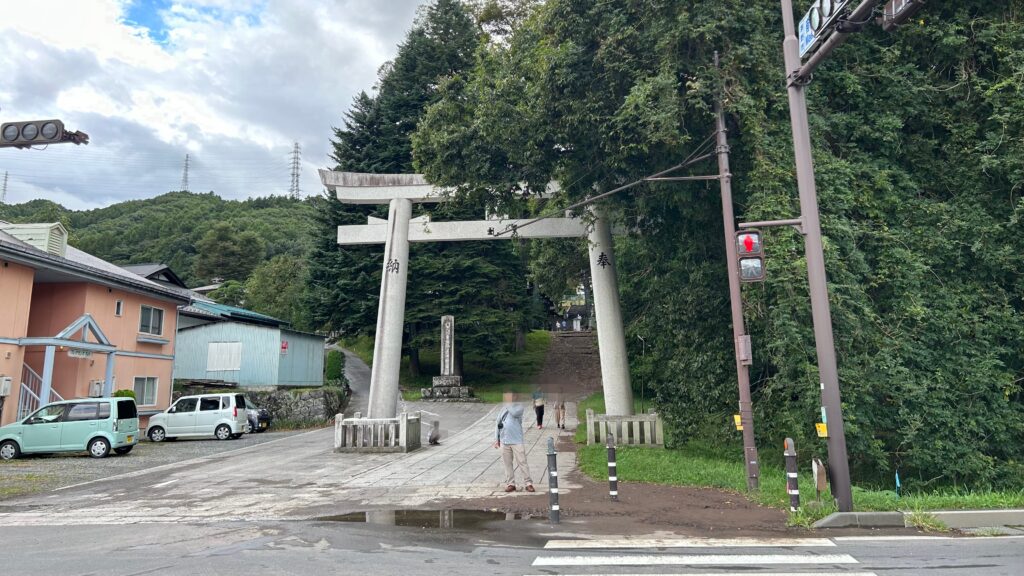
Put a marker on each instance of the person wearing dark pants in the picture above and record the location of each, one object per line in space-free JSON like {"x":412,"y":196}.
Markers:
{"x":538,"y":408}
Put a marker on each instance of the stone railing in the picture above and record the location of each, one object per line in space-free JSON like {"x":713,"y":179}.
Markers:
{"x":401,"y":434}
{"x":636,"y":430}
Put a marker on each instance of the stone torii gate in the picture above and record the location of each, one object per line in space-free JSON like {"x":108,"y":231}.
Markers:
{"x":400,"y":192}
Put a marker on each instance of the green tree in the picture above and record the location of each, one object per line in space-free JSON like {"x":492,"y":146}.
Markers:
{"x":918,"y":178}
{"x":228,"y":254}
{"x":277,"y":288}
{"x":231,"y":293}
{"x":483,"y":284}
{"x":165,"y":229}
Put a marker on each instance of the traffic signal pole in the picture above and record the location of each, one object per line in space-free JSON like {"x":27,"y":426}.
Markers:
{"x":811,"y":222}
{"x":739,"y":332}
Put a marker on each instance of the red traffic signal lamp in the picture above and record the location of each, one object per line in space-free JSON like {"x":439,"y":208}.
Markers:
{"x":750,"y":254}
{"x":38,"y":133}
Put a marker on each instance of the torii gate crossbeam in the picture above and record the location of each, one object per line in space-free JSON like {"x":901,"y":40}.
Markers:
{"x":400,"y":191}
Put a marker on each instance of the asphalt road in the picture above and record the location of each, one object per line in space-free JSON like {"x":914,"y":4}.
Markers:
{"x":503,"y":548}
{"x":187,"y":520}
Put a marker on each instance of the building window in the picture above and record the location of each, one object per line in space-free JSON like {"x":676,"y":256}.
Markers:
{"x":118,"y":307}
{"x":151,"y":321}
{"x":224,"y":357}
{"x":145,"y":390}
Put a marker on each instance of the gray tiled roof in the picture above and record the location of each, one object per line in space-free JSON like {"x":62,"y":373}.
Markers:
{"x":84,"y":262}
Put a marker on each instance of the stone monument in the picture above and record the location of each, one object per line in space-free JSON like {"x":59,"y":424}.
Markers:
{"x":447,"y":386}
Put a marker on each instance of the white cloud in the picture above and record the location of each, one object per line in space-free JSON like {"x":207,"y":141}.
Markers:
{"x":231,"y":82}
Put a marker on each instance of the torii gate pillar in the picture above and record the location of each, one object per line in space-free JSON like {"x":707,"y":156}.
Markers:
{"x":387,"y":346}
{"x":611,"y":338}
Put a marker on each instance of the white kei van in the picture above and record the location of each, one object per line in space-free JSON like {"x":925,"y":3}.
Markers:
{"x":222,"y":416}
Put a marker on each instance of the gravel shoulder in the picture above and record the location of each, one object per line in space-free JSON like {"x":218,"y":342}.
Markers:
{"x":35,"y":474}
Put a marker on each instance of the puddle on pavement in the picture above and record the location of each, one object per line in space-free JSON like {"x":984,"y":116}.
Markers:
{"x":441,"y":519}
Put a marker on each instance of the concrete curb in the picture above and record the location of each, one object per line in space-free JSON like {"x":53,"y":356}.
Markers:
{"x":951,"y":518}
{"x":979,"y":518}
{"x":862,"y":520}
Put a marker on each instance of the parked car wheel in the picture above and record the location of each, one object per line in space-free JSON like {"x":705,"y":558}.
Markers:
{"x":123,"y":450}
{"x":157,"y":434}
{"x":223,"y":432}
{"x":99,"y":448}
{"x":9,"y":450}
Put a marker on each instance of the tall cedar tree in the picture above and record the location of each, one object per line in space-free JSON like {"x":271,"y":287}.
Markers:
{"x":482,"y":284}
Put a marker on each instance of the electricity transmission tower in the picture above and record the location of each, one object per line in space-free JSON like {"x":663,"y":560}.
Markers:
{"x":3,"y":190}
{"x":184,"y":175}
{"x":294,"y":191}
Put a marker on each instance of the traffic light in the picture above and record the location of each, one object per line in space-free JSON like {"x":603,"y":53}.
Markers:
{"x":751,"y":255}
{"x":38,"y":133}
{"x":819,"y":23}
{"x":898,"y":12}
{"x":824,"y":12}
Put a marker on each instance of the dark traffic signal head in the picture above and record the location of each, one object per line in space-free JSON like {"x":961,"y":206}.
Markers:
{"x":898,"y":12}
{"x":750,"y":254}
{"x":38,"y":133}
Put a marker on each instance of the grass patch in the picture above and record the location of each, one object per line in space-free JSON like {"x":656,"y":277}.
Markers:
{"x":703,"y":465}
{"x":16,"y":484}
{"x":361,"y":346}
{"x":924,"y":521}
{"x":291,"y":424}
{"x":489,"y":376}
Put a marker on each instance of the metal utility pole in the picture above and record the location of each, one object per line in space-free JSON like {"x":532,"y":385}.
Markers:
{"x":820,"y":311}
{"x":740,"y":338}
{"x":184,"y":175}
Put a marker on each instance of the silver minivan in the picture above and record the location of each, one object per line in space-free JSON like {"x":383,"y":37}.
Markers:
{"x":222,"y":416}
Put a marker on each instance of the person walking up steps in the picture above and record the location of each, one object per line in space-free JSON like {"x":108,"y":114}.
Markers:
{"x":538,"y":407}
{"x":508,"y":437}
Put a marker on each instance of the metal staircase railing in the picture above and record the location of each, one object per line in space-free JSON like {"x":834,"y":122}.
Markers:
{"x":31,"y":388}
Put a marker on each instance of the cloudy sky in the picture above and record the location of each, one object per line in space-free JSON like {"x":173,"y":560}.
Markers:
{"x":232,"y":83}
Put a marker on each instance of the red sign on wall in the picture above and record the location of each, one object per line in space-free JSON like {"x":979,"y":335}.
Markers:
{"x":284,"y":346}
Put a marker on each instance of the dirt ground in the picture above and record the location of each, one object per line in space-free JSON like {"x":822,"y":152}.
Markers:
{"x":649,"y":508}
{"x":572,"y":369}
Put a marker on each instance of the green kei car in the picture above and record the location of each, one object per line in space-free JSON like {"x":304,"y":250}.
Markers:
{"x":96,"y":425}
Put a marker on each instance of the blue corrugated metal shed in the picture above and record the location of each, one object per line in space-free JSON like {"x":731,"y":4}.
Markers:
{"x":263,"y":350}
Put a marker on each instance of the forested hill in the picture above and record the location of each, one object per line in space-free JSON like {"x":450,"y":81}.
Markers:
{"x":171,"y":229}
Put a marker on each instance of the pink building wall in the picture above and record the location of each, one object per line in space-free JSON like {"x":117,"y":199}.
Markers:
{"x":15,"y":303}
{"x":54,"y":306}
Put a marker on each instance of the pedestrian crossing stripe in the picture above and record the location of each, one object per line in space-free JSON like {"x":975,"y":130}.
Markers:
{"x":694,"y":560}
{"x":607,"y":543}
{"x":734,"y":574}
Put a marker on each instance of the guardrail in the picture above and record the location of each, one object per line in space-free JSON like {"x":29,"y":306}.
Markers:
{"x":401,"y":434}
{"x":635,"y":430}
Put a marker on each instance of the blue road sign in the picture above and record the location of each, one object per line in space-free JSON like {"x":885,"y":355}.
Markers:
{"x":806,"y":34}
